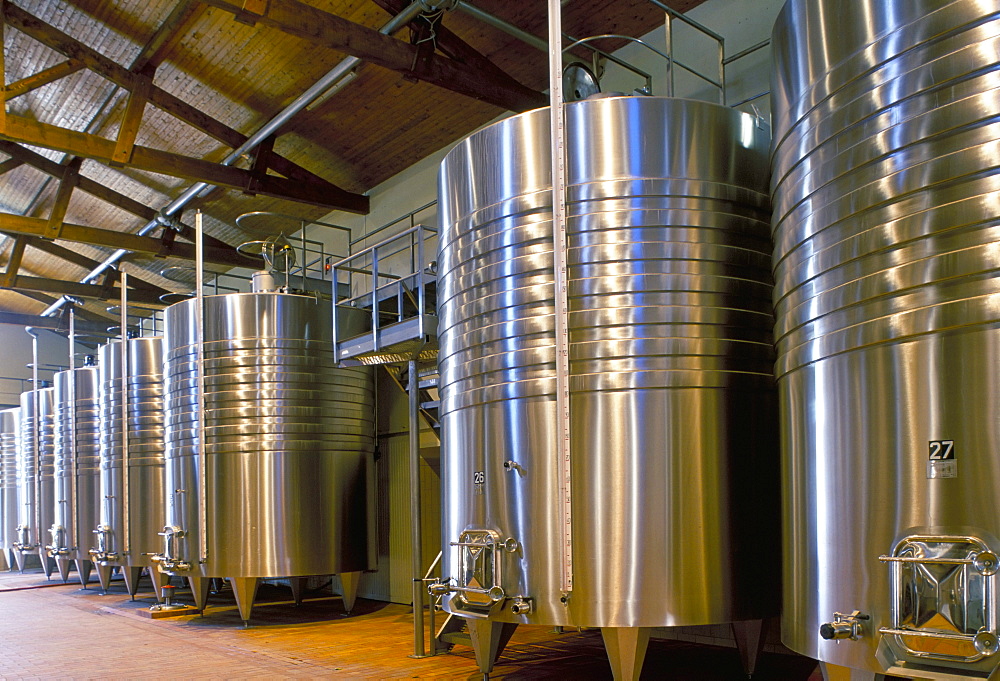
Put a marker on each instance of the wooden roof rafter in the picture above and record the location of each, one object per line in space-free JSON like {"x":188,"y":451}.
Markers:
{"x":100,"y":317}
{"x":58,"y":324}
{"x":450,"y":44}
{"x":44,"y":77}
{"x":298,"y":184}
{"x":108,"y":238}
{"x":14,"y":278}
{"x":86,"y":263}
{"x":106,"y":291}
{"x":105,"y":193}
{"x":329,"y":30}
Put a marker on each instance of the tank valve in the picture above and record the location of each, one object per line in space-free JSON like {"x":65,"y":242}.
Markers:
{"x":513,"y":466}
{"x":843,"y":626}
{"x":168,"y":561}
{"x":438,"y":589}
{"x":521,"y":605}
{"x":102,"y":553}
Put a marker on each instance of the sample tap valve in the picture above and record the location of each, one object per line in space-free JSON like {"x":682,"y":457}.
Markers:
{"x":843,"y":626}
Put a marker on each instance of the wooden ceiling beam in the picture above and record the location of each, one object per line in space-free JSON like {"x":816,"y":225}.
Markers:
{"x":107,"y":238}
{"x":67,"y":183}
{"x":10,"y":164}
{"x":155,"y":51}
{"x":49,"y":75}
{"x":132,"y":120}
{"x":451,"y":44}
{"x":322,"y":28}
{"x":59,"y":323}
{"x":55,"y":39}
{"x":35,"y":133}
{"x":14,"y":261}
{"x":82,"y":313}
{"x":3,"y":70}
{"x":104,"y":193}
{"x":76,"y":289}
{"x":83,"y":261}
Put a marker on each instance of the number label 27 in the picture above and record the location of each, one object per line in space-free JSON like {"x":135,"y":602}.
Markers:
{"x":942,"y":450}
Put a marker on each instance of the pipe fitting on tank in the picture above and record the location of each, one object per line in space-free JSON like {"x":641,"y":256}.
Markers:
{"x":843,"y":627}
{"x":168,"y":561}
{"x":513,"y":466}
{"x":56,"y":548}
{"x":521,"y":605}
{"x":24,"y":544}
{"x":102,"y":555}
{"x":439,"y":589}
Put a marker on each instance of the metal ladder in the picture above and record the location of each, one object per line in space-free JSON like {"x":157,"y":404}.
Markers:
{"x":395,"y":282}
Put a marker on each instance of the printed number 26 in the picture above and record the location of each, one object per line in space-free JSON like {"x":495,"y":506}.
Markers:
{"x":478,"y":477}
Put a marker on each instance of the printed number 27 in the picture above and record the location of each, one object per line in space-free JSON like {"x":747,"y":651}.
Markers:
{"x":942,"y":450}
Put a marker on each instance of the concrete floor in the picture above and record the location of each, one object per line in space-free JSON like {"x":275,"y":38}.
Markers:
{"x":52,"y":630}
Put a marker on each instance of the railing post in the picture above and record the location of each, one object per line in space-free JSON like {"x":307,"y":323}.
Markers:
{"x":416,"y":558}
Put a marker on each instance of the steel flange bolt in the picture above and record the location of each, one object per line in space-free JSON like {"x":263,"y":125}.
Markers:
{"x":986,"y":642}
{"x":986,"y":563}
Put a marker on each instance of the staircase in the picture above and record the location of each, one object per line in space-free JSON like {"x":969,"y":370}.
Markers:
{"x":395,"y":283}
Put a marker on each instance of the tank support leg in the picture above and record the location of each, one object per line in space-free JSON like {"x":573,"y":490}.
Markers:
{"x":62,"y":565}
{"x":749,"y":637}
{"x":4,"y":560}
{"x":104,"y":576}
{"x":626,"y":647}
{"x":83,"y":568}
{"x":47,"y":562}
{"x":349,"y":588}
{"x":159,"y":579}
{"x":832,"y":672}
{"x":199,"y":590}
{"x":131,"y":573}
{"x":298,"y":585}
{"x":245,"y":590}
{"x":488,"y":640}
{"x":19,"y":559}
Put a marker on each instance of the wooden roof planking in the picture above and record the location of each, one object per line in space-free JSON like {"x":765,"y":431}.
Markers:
{"x":240,"y":75}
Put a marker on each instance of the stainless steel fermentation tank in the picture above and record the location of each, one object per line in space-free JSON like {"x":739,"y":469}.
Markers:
{"x":276,"y":480}
{"x":673,"y":414}
{"x":9,"y":437}
{"x":35,"y":477}
{"x":886,"y":179}
{"x":132,"y":511}
{"x":77,"y":471}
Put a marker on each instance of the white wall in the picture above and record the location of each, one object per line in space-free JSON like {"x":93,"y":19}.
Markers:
{"x":16,"y":354}
{"x":743,"y":23}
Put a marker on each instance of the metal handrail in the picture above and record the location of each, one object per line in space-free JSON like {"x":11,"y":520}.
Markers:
{"x":687,"y":20}
{"x":415,"y":236}
{"x":633,"y":69}
{"x":408,"y":216}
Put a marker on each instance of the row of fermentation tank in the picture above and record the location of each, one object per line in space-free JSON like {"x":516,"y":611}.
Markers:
{"x":111,"y":465}
{"x":826,"y":289}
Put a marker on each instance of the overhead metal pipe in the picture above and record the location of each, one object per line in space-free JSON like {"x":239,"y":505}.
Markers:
{"x":33,"y":332}
{"x":534,"y":41}
{"x":301,"y":102}
{"x":508,"y":28}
